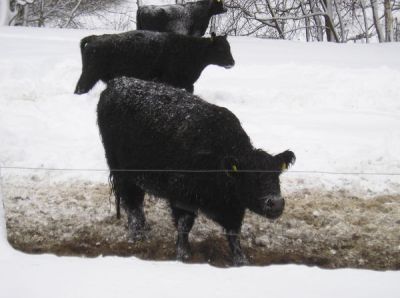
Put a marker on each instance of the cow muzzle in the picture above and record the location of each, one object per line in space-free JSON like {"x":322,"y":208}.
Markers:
{"x":230,"y":65}
{"x":274,"y":207}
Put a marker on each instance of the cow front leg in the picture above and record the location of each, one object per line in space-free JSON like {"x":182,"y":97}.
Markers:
{"x":184,"y":221}
{"x":233,"y":237}
{"x":232,"y":223}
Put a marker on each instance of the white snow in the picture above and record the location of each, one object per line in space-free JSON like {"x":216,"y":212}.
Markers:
{"x":43,"y":276}
{"x":336,"y":106}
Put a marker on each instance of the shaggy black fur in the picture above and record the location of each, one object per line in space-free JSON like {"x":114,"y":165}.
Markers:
{"x":191,"y":18}
{"x":170,"y":58}
{"x":151,"y":126}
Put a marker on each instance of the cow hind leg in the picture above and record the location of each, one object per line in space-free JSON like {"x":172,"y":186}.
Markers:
{"x":132,"y":198}
{"x":89,"y":77}
{"x":133,"y":204}
{"x":184,"y":221}
{"x":86,"y":82}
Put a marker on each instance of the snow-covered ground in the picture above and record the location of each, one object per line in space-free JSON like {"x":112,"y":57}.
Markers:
{"x":336,"y":106}
{"x":43,"y":276}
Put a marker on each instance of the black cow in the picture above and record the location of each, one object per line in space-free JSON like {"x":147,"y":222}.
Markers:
{"x":170,"y":58}
{"x":191,"y":18}
{"x":148,"y":126}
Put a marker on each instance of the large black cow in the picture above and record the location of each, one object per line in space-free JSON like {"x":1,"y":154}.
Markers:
{"x":150,"y":126}
{"x":170,"y":58}
{"x":191,"y":18}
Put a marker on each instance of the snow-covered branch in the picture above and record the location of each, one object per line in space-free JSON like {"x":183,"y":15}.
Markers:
{"x":313,"y":20}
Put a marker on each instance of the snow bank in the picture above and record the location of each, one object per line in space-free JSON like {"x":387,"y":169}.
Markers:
{"x":70,"y":277}
{"x":48,"y":276}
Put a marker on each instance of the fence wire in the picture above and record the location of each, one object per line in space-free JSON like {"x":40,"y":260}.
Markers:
{"x":321,"y":238}
{"x":199,"y":171}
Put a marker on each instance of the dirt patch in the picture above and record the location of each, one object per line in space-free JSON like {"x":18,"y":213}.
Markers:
{"x":326,"y":229}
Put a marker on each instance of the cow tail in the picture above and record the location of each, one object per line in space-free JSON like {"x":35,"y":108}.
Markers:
{"x":111,"y":180}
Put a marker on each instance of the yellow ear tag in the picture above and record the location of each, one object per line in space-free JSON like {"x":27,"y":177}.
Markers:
{"x":234,"y":168}
{"x":284,"y":166}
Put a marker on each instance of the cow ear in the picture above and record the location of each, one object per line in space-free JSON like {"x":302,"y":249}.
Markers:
{"x":230,"y":165}
{"x":285,"y":160}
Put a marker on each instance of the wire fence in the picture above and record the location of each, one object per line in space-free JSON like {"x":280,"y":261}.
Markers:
{"x":319,"y":238}
{"x":321,"y":172}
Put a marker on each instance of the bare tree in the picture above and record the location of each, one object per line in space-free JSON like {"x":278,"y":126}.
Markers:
{"x":318,"y":23}
{"x":57,"y":13}
{"x":388,"y":21}
{"x":340,"y":19}
{"x":307,"y":21}
{"x":5,"y":12}
{"x":377,"y":24}
{"x":366,"y":29}
{"x":310,"y":20}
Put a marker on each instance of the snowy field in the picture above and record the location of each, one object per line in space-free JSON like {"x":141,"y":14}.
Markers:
{"x":336,"y":106}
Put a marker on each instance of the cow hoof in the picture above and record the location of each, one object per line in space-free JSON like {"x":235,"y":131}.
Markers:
{"x":139,"y":235}
{"x":240,"y":261}
{"x":80,"y":91}
{"x":183,"y":254}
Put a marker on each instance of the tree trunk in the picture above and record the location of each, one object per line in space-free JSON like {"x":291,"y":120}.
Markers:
{"x":331,"y":34}
{"x":41,"y":14}
{"x":5,"y":13}
{"x":317,"y":20}
{"x":342,"y":33}
{"x":26,"y":14}
{"x":307,"y":21}
{"x":388,"y":21}
{"x":376,"y":20}
{"x":328,"y":11}
{"x":362,"y":4}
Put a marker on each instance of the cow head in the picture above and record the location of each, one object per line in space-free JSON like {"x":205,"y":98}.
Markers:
{"x":262,"y":188}
{"x":216,"y":7}
{"x":220,"y":51}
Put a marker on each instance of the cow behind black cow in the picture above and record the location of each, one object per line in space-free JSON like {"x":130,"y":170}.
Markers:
{"x":175,"y":59}
{"x":152,"y":126}
{"x":190,"y":18}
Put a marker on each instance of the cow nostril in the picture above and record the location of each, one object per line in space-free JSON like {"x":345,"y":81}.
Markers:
{"x":270,"y":203}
